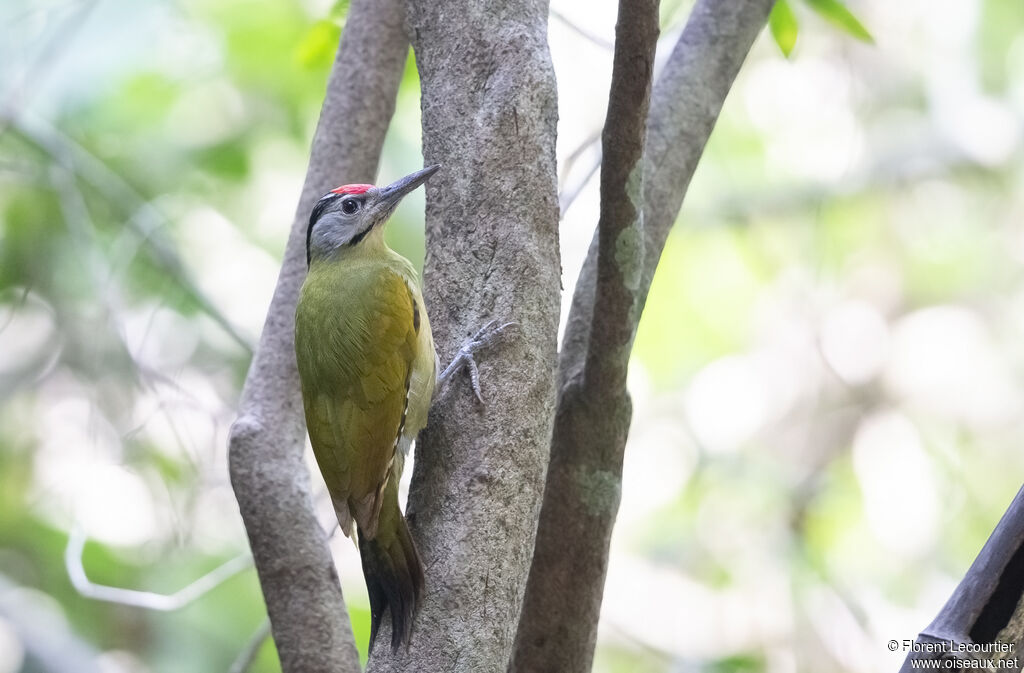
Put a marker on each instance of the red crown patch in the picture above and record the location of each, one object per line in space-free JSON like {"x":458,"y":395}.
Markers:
{"x":352,"y":189}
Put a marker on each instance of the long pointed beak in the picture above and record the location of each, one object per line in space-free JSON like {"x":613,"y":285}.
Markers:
{"x":394,"y":192}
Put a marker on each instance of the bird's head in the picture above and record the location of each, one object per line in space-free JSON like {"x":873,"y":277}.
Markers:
{"x":344,"y":216}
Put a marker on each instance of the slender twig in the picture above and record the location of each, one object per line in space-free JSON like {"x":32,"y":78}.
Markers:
{"x":247,"y":655}
{"x":18,"y":94}
{"x":46,"y":638}
{"x":30,"y":13}
{"x":641,"y":646}
{"x":620,"y":227}
{"x":567,"y":197}
{"x":145,"y":599}
{"x":570,"y":161}
{"x":894,"y":169}
{"x":578,"y":577}
{"x":571,"y":25}
{"x":82,"y":231}
{"x":145,"y":219}
{"x":22,"y":170}
{"x":14,"y":307}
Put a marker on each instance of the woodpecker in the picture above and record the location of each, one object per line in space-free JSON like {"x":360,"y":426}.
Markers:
{"x":368,"y":370}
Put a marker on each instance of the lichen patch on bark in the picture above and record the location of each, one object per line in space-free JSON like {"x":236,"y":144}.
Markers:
{"x":599,"y":490}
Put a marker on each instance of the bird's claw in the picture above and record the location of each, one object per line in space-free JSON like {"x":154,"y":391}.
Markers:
{"x":483,"y":338}
{"x":487,"y":334}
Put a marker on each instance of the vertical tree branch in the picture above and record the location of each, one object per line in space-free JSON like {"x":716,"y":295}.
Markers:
{"x":558,"y":626}
{"x":685,"y":105}
{"x":307,"y":613}
{"x":591,"y":458}
{"x":987,"y":605}
{"x":489,"y":118}
{"x":620,"y":226}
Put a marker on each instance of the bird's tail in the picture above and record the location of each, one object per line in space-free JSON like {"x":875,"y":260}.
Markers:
{"x":393,"y":572}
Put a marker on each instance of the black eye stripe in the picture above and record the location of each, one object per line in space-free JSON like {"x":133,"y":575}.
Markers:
{"x":350,"y":205}
{"x":318,"y":210}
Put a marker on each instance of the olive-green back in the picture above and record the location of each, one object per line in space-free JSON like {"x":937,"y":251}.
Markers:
{"x":356,"y":342}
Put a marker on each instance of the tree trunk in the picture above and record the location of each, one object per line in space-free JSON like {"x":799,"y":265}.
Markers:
{"x":489,"y":116}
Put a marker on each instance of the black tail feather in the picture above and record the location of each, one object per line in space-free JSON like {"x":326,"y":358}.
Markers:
{"x":394,"y":580}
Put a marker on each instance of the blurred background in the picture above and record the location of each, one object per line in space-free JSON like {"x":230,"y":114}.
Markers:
{"x":828,"y":379}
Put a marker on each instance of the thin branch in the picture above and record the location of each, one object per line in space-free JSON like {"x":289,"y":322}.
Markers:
{"x":570,"y":161}
{"x":82,"y":232}
{"x":620,"y":227}
{"x":684,"y":108}
{"x":146,"y":219}
{"x":145,"y":599}
{"x":591,"y":140}
{"x":557,"y":627}
{"x":44,"y":633}
{"x":22,"y":171}
{"x":894,"y":169}
{"x":247,"y":655}
{"x":586,"y":34}
{"x":567,"y":197}
{"x":271,"y":481}
{"x":986,"y":607}
{"x":543,"y":642}
{"x":642,"y":647}
{"x":18,"y":94}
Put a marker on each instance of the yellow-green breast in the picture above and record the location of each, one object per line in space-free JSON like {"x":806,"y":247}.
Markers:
{"x":359,"y":330}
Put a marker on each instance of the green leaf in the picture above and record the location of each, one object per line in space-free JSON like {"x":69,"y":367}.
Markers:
{"x":837,"y":13}
{"x":784,"y":27}
{"x":319,"y":44}
{"x":339,"y":10}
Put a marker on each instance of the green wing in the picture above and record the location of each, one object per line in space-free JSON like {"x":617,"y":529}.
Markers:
{"x":356,"y":343}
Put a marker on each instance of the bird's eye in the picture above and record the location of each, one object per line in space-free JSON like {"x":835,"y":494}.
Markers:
{"x":349,"y":206}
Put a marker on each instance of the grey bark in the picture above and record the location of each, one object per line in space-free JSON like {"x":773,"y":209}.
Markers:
{"x":985,"y":608}
{"x":620,"y":227}
{"x":617,"y":279}
{"x":558,"y":625}
{"x":489,"y":118}
{"x":307,"y":613}
{"x":685,"y":104}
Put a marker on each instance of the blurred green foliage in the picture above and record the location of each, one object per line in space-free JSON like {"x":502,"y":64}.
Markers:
{"x":784,"y":25}
{"x":94,"y":183}
{"x":827,"y":378}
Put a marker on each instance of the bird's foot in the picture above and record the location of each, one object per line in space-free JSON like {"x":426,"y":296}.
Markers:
{"x":487,"y":335}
